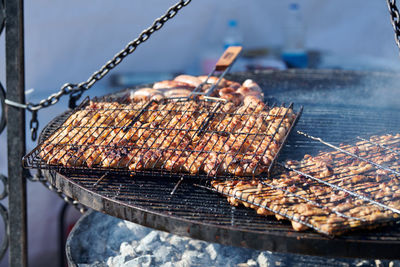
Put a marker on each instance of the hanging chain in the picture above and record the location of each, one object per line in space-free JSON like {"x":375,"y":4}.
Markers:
{"x":75,"y":91}
{"x":395,"y":19}
{"x":38,"y":177}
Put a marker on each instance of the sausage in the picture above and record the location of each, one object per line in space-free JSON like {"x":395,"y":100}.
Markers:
{"x":246,"y":91}
{"x":212,"y":80}
{"x":172,"y":84}
{"x":177,"y":93}
{"x":146,"y":94}
{"x":189,"y":79}
{"x":252,"y":85}
{"x":226,"y":90}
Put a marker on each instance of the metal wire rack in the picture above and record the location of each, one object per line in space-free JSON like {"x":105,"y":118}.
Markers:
{"x":173,"y":137}
{"x":350,"y":187}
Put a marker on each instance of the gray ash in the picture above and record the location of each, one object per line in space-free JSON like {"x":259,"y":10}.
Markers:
{"x":100,"y":240}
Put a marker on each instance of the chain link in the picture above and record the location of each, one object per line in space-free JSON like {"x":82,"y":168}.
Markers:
{"x":38,"y":177}
{"x":75,"y":91}
{"x":395,"y":19}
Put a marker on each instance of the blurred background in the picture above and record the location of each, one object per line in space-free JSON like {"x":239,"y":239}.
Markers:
{"x":66,"y":41}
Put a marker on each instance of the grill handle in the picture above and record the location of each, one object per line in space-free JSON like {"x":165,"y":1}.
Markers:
{"x":228,"y":57}
{"x":223,"y":65}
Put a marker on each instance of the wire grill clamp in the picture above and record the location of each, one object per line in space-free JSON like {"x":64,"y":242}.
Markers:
{"x":295,"y":196}
{"x":379,"y":166}
{"x":171,"y":144}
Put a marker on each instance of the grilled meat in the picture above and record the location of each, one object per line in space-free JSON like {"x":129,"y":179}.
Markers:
{"x":212,"y":138}
{"x":308,"y":202}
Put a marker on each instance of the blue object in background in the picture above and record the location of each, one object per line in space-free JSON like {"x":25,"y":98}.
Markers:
{"x":294,"y":53}
{"x":295,"y":60}
{"x":233,"y":36}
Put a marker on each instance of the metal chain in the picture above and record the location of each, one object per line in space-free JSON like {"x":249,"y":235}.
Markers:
{"x":395,"y":19}
{"x":38,"y":177}
{"x":76,"y":90}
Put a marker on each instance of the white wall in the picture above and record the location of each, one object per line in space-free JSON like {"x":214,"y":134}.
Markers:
{"x":66,"y":41}
{"x":69,"y":40}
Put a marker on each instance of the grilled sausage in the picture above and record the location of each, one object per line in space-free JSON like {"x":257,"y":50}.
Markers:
{"x":177,"y":93}
{"x":146,"y":94}
{"x":172,"y":84}
{"x":246,"y":91}
{"x":252,"y":85}
{"x":213,"y":80}
{"x":188,"y":79}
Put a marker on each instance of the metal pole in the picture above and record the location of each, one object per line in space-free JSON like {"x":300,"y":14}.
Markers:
{"x":16,"y":132}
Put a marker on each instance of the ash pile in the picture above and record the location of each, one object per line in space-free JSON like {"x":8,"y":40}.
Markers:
{"x":99,"y":240}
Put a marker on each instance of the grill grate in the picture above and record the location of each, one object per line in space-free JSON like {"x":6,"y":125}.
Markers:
{"x":186,"y":137}
{"x":337,"y":107}
{"x":304,"y":195}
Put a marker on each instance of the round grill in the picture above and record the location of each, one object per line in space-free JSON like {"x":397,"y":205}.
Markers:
{"x":338,"y":106}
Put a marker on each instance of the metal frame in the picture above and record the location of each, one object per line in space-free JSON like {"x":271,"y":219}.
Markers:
{"x":150,"y":168}
{"x":16,"y":185}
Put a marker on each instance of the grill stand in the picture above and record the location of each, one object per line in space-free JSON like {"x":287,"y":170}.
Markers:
{"x":16,"y":133}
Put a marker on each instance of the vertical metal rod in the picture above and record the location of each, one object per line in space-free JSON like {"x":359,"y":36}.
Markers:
{"x":16,"y":132}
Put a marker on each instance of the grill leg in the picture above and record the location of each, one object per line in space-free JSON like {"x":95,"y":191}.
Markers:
{"x":61,"y":229}
{"x":16,"y":132}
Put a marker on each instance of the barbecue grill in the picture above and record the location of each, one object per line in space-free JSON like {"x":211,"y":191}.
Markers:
{"x":164,"y":142}
{"x":339,"y":106}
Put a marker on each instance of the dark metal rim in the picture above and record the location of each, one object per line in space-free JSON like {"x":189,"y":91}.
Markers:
{"x":276,"y":242}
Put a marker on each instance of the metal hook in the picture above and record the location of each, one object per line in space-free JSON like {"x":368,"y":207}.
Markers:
{"x":73,"y":97}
